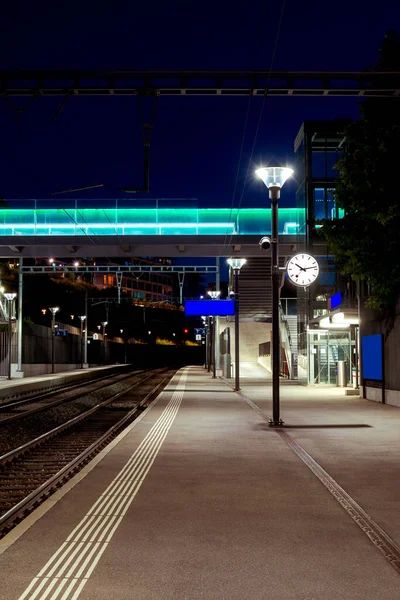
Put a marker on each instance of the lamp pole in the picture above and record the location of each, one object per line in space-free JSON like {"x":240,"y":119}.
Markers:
{"x":53,"y":311}
{"x":10,"y":299}
{"x":82,"y":318}
{"x":214,"y":295}
{"x":274,"y":178}
{"x":103,"y":324}
{"x":236,"y":264}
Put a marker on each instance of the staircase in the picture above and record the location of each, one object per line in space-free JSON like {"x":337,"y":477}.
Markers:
{"x":255,"y":288}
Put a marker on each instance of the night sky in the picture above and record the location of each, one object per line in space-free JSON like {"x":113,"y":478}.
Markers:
{"x":196,"y":141}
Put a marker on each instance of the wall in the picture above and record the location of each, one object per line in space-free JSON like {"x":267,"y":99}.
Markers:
{"x":373,"y":323}
{"x":37,"y":353}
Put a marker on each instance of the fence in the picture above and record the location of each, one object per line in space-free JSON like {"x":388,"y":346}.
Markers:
{"x":37,"y":352}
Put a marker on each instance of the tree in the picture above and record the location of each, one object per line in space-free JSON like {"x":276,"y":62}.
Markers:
{"x":366,"y":241}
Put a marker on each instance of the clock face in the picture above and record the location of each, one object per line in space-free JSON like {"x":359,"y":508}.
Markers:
{"x":302,"y":269}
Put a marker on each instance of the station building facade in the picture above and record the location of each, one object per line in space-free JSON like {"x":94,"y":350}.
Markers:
{"x":327,"y":319}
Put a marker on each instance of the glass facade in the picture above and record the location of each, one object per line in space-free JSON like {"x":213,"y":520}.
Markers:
{"x":325,"y":349}
{"x":15,"y":221}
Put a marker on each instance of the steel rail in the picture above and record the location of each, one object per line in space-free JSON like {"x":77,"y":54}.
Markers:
{"x":19,"y":511}
{"x":32,"y":411}
{"x":56,"y":390}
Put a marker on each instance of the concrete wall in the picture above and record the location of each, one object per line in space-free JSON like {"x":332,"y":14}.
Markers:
{"x":251,"y":335}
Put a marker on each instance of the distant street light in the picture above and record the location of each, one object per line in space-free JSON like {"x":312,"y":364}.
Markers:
{"x":214,"y":295}
{"x":53,"y":310}
{"x":274,"y":178}
{"x":82,"y":318}
{"x":236,"y":264}
{"x":104,"y":324}
{"x":10,"y":300}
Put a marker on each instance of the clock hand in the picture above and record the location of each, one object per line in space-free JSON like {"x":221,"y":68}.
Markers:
{"x":305,"y":268}
{"x":302,"y":268}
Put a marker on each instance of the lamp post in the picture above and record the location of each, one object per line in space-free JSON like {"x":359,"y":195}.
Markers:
{"x":274,"y":178}
{"x":82,"y":318}
{"x":53,"y":311}
{"x":10,"y":299}
{"x":104,"y":324}
{"x":236,"y":264}
{"x":214,"y":295}
{"x":124,"y":332}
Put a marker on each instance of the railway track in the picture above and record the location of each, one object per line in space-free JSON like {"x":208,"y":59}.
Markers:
{"x":35,"y":470}
{"x":18,"y":409}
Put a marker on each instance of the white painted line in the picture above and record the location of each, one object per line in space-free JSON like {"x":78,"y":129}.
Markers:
{"x":85,"y":546}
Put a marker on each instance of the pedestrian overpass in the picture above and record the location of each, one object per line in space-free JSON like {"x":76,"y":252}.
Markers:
{"x":120,"y":229}
{"x":35,"y":229}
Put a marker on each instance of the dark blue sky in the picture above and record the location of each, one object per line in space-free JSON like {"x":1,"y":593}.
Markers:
{"x":196,"y":141}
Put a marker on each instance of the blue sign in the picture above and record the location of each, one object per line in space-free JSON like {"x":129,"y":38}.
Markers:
{"x":335,"y":300}
{"x":209,"y":308}
{"x":372,"y":356}
{"x":61,"y":332}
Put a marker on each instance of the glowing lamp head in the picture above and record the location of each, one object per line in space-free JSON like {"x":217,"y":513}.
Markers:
{"x":236,"y":263}
{"x":214,"y":294}
{"x":274,"y":176}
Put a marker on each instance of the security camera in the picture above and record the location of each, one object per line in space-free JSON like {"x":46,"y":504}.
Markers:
{"x":232,"y":295}
{"x":265,"y":243}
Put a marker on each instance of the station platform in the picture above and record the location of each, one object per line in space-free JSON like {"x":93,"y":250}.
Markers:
{"x":9,"y":387}
{"x":200,"y":499}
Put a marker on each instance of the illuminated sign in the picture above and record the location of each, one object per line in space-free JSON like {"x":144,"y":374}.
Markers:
{"x":210,"y":308}
{"x":335,"y":301}
{"x":372,"y":356}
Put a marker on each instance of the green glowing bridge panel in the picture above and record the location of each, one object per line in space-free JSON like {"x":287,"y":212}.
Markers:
{"x":146,"y":221}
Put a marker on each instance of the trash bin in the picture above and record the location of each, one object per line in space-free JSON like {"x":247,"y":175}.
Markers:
{"x":341,"y":373}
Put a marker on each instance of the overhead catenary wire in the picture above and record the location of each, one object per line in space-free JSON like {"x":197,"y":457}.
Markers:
{"x":250,"y":161}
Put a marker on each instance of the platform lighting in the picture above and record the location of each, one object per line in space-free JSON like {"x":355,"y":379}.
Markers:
{"x":82,"y":319}
{"x":10,"y":299}
{"x":327,"y":322}
{"x":53,"y":310}
{"x":76,"y":264}
{"x":236,"y":264}
{"x":214,"y":295}
{"x":274,"y":178}
{"x":104,"y":324}
{"x":341,"y":318}
{"x":51,"y":260}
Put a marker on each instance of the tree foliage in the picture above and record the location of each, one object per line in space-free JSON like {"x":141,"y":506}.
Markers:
{"x":366,"y":241}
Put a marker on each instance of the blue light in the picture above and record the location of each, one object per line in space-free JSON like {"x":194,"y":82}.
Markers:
{"x":335,"y":300}
{"x":372,"y":358}
{"x":211,"y":308}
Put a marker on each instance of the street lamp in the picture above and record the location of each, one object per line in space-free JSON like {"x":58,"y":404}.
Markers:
{"x":104,"y":324}
{"x":82,"y":318}
{"x":236,"y":264}
{"x":214,"y":295}
{"x":274,"y":178}
{"x":10,"y":299}
{"x":53,"y":311}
